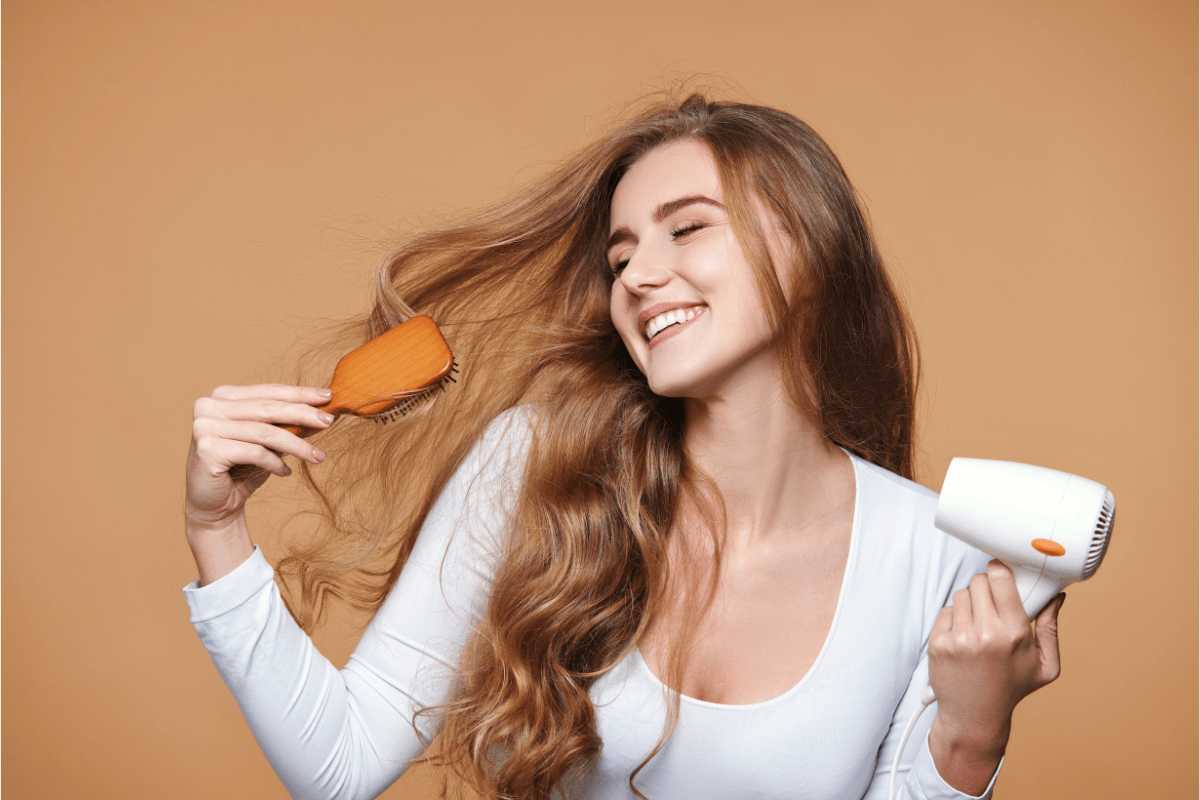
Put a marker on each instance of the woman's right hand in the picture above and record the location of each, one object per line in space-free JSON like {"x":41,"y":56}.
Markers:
{"x":237,"y":425}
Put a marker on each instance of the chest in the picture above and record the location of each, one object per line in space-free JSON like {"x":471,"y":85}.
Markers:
{"x":810,"y":730}
{"x":768,"y":620}
{"x":812,"y":724}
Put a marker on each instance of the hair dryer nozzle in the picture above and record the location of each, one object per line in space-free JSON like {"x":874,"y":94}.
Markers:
{"x":1051,"y":528}
{"x":1105,"y":523}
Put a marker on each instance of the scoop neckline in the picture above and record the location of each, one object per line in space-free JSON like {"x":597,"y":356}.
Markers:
{"x":851,"y":560}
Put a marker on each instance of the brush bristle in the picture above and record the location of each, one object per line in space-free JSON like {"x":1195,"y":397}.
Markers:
{"x":417,"y":402}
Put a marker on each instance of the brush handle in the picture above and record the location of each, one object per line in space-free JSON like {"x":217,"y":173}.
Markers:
{"x":303,"y":433}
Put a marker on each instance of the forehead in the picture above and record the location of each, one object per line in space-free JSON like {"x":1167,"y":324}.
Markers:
{"x":681,"y":168}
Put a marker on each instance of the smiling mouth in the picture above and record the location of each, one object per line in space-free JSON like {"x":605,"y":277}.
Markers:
{"x":670,"y":322}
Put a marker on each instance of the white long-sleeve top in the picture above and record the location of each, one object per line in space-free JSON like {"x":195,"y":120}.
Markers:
{"x":350,"y":733}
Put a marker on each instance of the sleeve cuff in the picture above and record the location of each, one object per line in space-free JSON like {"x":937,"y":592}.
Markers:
{"x":231,"y":591}
{"x":936,"y":786}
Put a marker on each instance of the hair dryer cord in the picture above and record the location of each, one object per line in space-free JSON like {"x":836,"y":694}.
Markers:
{"x":926,"y":701}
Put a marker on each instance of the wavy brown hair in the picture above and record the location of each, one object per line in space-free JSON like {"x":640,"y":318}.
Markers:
{"x":521,"y":292}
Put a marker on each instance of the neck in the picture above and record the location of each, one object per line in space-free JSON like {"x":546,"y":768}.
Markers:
{"x":776,"y":471}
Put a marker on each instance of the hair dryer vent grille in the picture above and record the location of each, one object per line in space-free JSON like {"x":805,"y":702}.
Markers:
{"x":1104,"y":527}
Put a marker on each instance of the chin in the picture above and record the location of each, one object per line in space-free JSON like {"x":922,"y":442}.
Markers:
{"x":672,"y":383}
{"x":716,"y":375}
{"x":668,"y":390}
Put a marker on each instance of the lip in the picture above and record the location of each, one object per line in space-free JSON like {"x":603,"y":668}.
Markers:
{"x":673,"y":330}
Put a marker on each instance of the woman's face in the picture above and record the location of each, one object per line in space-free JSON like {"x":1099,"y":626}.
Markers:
{"x":684,"y":298}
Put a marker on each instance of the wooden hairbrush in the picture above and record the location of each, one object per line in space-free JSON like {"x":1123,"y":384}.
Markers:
{"x":390,"y":375}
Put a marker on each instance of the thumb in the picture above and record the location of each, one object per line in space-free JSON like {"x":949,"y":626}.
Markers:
{"x":1045,"y":633}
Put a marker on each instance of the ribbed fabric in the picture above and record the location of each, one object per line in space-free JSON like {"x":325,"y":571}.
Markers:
{"x":350,"y":734}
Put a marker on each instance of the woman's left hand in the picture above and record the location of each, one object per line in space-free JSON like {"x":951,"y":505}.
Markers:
{"x":984,"y":657}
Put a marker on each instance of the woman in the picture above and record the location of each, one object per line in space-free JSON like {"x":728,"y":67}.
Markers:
{"x":678,"y":459}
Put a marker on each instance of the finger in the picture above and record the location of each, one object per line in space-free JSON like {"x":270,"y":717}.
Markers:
{"x":312,"y":395}
{"x":216,"y":456}
{"x":262,"y":434}
{"x":983,"y":606}
{"x":1045,"y":634}
{"x":943,"y":623}
{"x":962,"y":616}
{"x":245,"y":455}
{"x":1005,"y":594}
{"x":262,"y":409}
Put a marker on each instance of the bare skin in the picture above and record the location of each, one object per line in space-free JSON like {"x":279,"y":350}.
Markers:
{"x":789,"y":497}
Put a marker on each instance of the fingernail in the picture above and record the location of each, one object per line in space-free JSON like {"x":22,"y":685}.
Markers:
{"x":326,"y":393}
{"x":326,"y":418}
{"x":318,"y":456}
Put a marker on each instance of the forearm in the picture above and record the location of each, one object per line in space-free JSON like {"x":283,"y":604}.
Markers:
{"x":327,"y":734}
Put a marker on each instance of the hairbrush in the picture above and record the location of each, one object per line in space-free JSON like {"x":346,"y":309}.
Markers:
{"x":390,"y":375}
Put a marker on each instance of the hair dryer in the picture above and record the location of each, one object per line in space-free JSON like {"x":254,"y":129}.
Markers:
{"x":1051,"y":528}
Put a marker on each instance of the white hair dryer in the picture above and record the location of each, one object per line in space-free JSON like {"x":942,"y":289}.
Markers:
{"x":1051,"y":528}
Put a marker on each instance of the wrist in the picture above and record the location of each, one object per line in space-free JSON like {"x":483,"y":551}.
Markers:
{"x":967,"y":755}
{"x":218,"y":548}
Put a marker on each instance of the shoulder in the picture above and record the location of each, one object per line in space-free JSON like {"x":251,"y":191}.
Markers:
{"x":492,"y":473}
{"x":475,"y":507}
{"x":504,"y":444}
{"x":896,"y":517}
{"x":881,"y":491}
{"x":512,"y":427}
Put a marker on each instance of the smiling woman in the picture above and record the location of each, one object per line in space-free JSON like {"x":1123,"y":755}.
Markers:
{"x":662,"y":541}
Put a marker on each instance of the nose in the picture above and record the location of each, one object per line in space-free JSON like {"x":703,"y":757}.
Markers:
{"x":644,"y":272}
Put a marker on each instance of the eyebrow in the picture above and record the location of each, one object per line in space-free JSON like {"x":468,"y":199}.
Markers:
{"x":665,"y":210}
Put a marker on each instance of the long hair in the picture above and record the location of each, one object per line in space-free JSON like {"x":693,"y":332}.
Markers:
{"x":521,"y":291}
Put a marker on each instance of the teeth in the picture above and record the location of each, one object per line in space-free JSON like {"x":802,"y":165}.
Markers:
{"x":666,"y":319}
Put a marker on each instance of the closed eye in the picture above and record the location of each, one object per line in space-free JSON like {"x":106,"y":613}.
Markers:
{"x":676,"y":234}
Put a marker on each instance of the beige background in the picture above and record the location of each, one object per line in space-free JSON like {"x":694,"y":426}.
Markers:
{"x":188,"y":189}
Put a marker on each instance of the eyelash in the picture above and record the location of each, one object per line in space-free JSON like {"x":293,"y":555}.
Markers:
{"x":617,"y":268}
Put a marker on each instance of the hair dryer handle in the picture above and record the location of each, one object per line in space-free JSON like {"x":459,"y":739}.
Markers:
{"x":1035,"y":587}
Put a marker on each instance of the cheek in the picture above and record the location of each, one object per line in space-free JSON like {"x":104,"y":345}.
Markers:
{"x":728,"y":277}
{"x":614,"y":307}
{"x":620,"y":309}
